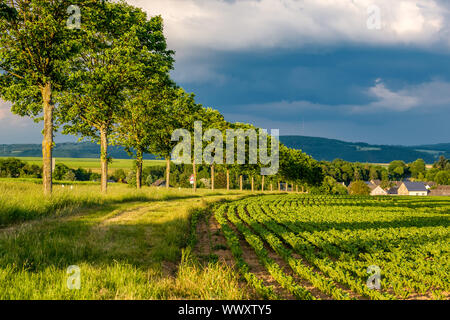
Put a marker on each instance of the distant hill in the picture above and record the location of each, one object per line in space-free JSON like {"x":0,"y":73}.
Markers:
{"x":330,"y":149}
{"x":318,"y":148}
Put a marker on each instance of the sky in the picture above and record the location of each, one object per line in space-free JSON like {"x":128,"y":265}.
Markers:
{"x":375,"y":71}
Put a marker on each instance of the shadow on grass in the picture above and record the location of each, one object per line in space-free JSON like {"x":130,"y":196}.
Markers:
{"x":67,"y":205}
{"x":61,"y":243}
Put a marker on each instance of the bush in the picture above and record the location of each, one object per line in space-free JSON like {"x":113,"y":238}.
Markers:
{"x":31,"y":171}
{"x":359,"y":188}
{"x":69,"y":176}
{"x":131,"y":178}
{"x":119,"y":176}
{"x":11,"y":168}
{"x":442,"y":178}
{"x":60,"y":171}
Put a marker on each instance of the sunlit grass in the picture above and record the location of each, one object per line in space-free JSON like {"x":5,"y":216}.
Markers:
{"x":128,"y":245}
{"x":22,"y":201}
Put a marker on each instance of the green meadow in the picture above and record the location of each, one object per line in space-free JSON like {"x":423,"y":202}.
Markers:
{"x":128,"y":244}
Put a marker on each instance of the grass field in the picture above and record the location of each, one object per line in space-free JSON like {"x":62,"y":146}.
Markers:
{"x":93,"y":164}
{"x":174,"y":244}
{"x":128,"y":245}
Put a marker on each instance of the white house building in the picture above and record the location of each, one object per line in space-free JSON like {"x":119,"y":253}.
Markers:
{"x":409,"y":188}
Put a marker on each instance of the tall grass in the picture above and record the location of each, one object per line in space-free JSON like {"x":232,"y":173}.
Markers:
{"x":23,"y":201}
{"x":125,"y":250}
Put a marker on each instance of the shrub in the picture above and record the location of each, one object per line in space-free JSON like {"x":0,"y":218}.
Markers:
{"x":131,"y":178}
{"x":69,"y":176}
{"x":60,"y":171}
{"x":359,"y":188}
{"x":119,"y":175}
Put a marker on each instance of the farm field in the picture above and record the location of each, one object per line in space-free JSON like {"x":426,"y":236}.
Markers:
{"x":92,"y":164}
{"x":320,"y":247}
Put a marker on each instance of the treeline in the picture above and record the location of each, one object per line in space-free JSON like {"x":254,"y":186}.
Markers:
{"x":105,"y":76}
{"x":16,"y":168}
{"x":343,"y":171}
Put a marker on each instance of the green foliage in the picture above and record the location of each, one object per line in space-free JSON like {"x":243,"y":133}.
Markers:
{"x":343,"y":171}
{"x":442,"y":177}
{"x":119,"y":175}
{"x":131,"y":178}
{"x":417,"y":168}
{"x":359,"y":188}
{"x":442,"y":163}
{"x":60,"y":171}
{"x":69,"y":176}
{"x":36,"y":48}
{"x":397,"y":170}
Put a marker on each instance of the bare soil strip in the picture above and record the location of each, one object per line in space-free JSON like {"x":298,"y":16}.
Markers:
{"x":212,"y":241}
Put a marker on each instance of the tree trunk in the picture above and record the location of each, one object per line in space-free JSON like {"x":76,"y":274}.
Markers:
{"x":194,"y":169}
{"x":286,"y":187}
{"x":271,"y":187}
{"x":228,"y":179}
{"x":279,"y":186}
{"x":212,"y":177}
{"x":167,"y":173}
{"x":240,"y":182}
{"x":302,"y":189}
{"x":296,"y":188}
{"x":139,"y":162}
{"x":253,"y":181}
{"x":47,"y":142}
{"x":104,"y":159}
{"x":262,"y":183}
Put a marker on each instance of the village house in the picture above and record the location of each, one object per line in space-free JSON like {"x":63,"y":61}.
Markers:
{"x":393,"y":191}
{"x":371,"y":185}
{"x":378,"y":191}
{"x":409,"y":188}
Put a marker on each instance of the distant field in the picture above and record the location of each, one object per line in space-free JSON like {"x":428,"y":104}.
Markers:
{"x":428,"y":166}
{"x":92,"y":164}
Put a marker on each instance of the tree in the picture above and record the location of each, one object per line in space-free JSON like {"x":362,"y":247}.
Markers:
{"x":135,"y":125}
{"x":146,"y":106}
{"x":359,"y":188}
{"x":111,"y":60}
{"x":442,"y":178}
{"x":397,"y":170}
{"x":296,"y":166}
{"x":417,"y":167}
{"x":441,"y":163}
{"x":212,"y":119}
{"x":35,"y":48}
{"x":180,"y":112}
{"x":431,"y":174}
{"x":331,"y":186}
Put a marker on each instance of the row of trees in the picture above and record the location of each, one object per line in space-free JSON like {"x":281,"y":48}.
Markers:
{"x":343,"y":171}
{"x":107,"y":80}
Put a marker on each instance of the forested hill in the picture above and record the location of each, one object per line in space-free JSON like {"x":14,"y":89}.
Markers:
{"x":329,"y":149}
{"x":318,"y":148}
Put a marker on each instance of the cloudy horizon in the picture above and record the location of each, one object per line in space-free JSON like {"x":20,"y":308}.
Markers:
{"x":326,"y":68}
